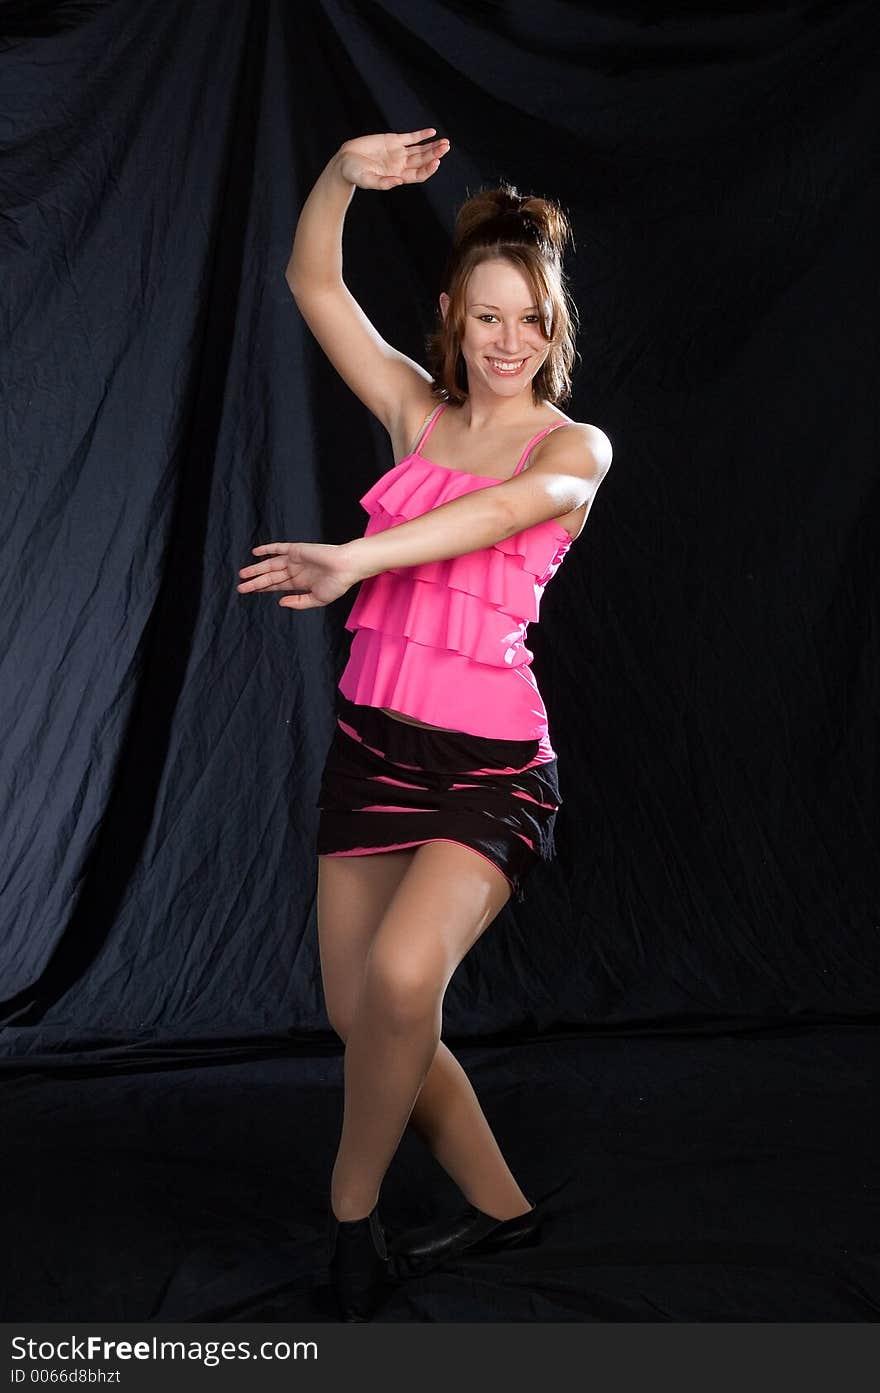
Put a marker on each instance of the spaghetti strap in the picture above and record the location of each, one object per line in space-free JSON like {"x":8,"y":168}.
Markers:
{"x":426,"y":427}
{"x":533,"y":442}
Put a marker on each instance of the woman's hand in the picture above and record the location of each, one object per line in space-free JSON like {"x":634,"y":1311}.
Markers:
{"x":384,"y":161}
{"x":317,"y":571}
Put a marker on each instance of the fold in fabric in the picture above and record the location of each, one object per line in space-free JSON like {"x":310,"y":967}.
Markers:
{"x":416,"y":485}
{"x":441,"y":688}
{"x":407,"y":607}
{"x":386,"y":785}
{"x":445,"y":640}
{"x":478,"y":604}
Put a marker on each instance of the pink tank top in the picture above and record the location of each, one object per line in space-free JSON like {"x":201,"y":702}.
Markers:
{"x":444,"y":642}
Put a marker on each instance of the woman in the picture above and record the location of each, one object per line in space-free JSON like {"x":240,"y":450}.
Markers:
{"x":441,"y":759}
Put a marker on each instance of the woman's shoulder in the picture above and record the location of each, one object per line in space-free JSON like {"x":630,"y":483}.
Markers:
{"x":581,"y":436}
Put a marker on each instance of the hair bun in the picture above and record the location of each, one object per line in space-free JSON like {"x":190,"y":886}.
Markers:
{"x":503,"y":214}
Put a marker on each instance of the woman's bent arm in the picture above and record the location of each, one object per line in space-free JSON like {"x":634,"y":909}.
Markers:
{"x":465,"y":524}
{"x":316,"y":257}
{"x":549,"y":489}
{"x":385,"y":380}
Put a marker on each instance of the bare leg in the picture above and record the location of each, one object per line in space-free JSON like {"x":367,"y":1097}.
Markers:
{"x":445,"y":899}
{"x":448,"y":1117}
{"x":353,"y":894}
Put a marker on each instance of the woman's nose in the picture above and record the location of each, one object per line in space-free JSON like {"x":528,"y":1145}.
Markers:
{"x":509,"y":339}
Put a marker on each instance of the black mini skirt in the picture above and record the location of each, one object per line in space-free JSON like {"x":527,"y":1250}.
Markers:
{"x":387,"y":785}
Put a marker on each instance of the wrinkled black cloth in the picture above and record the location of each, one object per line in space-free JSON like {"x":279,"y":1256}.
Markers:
{"x":387,"y":784}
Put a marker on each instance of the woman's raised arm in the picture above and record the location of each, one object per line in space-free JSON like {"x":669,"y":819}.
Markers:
{"x":387,"y":381}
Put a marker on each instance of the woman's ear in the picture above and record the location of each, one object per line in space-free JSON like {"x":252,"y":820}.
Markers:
{"x":444,"y":304}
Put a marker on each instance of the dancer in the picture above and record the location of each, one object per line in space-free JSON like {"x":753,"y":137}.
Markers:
{"x":440,"y":791}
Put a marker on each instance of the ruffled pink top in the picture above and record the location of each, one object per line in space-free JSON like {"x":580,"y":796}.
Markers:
{"x":444,"y":642}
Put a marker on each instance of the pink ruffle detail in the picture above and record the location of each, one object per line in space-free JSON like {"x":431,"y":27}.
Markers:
{"x":419,"y":630}
{"x":488,"y":575}
{"x":398,"y":604}
{"x":415,"y":486}
{"x":479,"y":604}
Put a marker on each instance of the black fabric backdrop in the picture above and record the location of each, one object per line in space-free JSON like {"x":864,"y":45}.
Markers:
{"x":677,"y":1032}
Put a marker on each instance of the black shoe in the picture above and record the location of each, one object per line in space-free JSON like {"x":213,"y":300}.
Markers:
{"x":470,"y":1231}
{"x":361,"y":1275}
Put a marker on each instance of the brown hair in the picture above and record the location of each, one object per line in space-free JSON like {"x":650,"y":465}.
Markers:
{"x":532,"y":233}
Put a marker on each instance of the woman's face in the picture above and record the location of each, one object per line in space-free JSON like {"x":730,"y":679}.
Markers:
{"x":502,"y":343}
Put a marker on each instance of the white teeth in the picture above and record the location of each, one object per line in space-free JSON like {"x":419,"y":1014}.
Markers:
{"x":504,"y":366}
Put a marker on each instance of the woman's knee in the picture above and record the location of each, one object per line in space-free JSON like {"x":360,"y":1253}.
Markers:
{"x":353,"y":895}
{"x":404,"y":990}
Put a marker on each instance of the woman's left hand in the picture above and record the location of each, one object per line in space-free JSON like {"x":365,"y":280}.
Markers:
{"x":319,"y":572}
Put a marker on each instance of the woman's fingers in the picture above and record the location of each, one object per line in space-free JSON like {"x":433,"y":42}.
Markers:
{"x":426,"y":171}
{"x":421,"y":164}
{"x":416,"y":153}
{"x":418,"y":176}
{"x":268,"y":580}
{"x":401,"y":159}
{"x":300,"y":602}
{"x":283,"y":569}
{"x":430,"y":163}
{"x":277,"y":557}
{"x":314,"y":573}
{"x":268,"y":574}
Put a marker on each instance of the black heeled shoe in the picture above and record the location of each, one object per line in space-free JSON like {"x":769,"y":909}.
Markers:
{"x":418,"y":1251}
{"x":361,"y":1275}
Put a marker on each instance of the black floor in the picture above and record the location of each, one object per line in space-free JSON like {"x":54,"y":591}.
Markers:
{"x":732,"y":1178}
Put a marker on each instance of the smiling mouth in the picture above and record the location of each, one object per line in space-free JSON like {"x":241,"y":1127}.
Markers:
{"x":506,"y":367}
